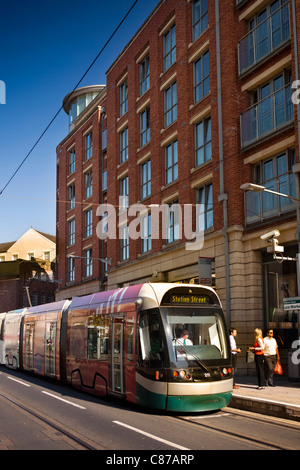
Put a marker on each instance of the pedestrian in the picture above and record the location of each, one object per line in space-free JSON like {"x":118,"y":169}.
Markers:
{"x":271,"y":355}
{"x":258,"y":350}
{"x":234,"y":353}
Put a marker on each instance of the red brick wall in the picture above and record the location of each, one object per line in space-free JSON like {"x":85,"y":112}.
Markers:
{"x":77,"y":138}
{"x":234,"y":102}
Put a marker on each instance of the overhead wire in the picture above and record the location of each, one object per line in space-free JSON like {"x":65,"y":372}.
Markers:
{"x":70,"y":95}
{"x":87,"y":203}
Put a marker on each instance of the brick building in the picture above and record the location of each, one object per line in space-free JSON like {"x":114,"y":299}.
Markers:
{"x":26,"y":283}
{"x":198,"y":103}
{"x":27,"y":270}
{"x":81,"y":187}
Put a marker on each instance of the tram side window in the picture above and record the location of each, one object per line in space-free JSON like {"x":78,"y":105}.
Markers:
{"x":78,"y":340}
{"x":98,"y":331}
{"x":151,"y":341}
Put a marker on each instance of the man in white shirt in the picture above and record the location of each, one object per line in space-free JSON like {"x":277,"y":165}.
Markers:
{"x":184,"y":339}
{"x":234,"y":352}
{"x":271,"y":356}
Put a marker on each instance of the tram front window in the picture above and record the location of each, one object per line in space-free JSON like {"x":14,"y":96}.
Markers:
{"x":195,"y":334}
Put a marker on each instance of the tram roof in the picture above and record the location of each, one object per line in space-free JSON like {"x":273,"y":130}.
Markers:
{"x":152,"y":294}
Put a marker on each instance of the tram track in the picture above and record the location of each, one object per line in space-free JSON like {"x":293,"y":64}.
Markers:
{"x":79,"y":442}
{"x":252,"y":429}
{"x":260,"y":441}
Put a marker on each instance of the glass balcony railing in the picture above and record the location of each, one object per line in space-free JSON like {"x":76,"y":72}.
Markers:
{"x":265,"y":38}
{"x":263,"y":205}
{"x":267,"y":116}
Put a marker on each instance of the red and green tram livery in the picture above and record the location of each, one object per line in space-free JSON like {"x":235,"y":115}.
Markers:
{"x":160,"y":345}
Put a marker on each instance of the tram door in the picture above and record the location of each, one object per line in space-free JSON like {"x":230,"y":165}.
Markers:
{"x":117,"y":355}
{"x":50,"y":347}
{"x":29,"y":337}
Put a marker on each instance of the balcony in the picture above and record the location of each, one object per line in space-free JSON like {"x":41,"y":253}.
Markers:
{"x":267,"y":116}
{"x":265,"y":38}
{"x":261,"y":206}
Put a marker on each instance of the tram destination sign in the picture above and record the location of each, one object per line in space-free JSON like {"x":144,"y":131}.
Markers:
{"x":189,"y":299}
{"x":291,"y":303}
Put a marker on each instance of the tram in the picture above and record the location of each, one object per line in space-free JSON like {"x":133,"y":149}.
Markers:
{"x":163,"y":346}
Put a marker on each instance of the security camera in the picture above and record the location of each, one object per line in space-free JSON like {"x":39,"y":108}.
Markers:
{"x":270,"y":235}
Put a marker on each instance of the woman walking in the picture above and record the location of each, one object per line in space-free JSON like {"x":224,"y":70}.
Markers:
{"x":258,"y":350}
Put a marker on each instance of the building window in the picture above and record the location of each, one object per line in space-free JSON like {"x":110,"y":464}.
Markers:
{"x":123,"y":98}
{"x":46,"y":255}
{"x":71,"y":269}
{"x":171,"y":104}
{"x":104,"y":180}
{"x":272,"y":109}
{"x":203,"y":150}
{"x":200,"y":17}
{"x":88,"y":146}
{"x":71,"y":196}
{"x":276,"y":108}
{"x":145,"y":126}
{"x":88,"y":223}
{"x":71,"y":161}
{"x":146,"y":233}
{"x":124,"y":145}
{"x":124,"y":191}
{"x":277,"y":175}
{"x":88,"y":262}
{"x":170,"y":47}
{"x":201,"y":77}
{"x":144,"y":75}
{"x":79,"y":104}
{"x":145,"y":179}
{"x":88,"y":184}
{"x":269,"y":29}
{"x":34,"y":299}
{"x":71,"y":232}
{"x":171,"y":158}
{"x":104,"y":139}
{"x":173,"y":222}
{"x":124,"y":243}
{"x":204,"y":197}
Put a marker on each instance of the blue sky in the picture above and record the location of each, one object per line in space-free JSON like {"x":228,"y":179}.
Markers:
{"x":45,"y":48}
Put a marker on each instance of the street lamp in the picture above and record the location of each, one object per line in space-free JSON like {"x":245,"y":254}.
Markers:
{"x":105,"y":261}
{"x":259,"y":188}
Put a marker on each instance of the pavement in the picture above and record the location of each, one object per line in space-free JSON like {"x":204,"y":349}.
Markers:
{"x":282,"y":401}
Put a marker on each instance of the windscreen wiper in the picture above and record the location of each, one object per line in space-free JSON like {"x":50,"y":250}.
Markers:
{"x":201,"y":364}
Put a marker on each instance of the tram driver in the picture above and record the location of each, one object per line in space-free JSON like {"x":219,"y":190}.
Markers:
{"x":184,"y":339}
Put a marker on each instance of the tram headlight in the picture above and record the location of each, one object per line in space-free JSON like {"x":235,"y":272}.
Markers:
{"x":227,"y":371}
{"x":182,"y":374}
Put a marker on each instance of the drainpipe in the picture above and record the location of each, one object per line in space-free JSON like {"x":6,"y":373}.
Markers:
{"x":296,"y":167}
{"x":223,"y":197}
